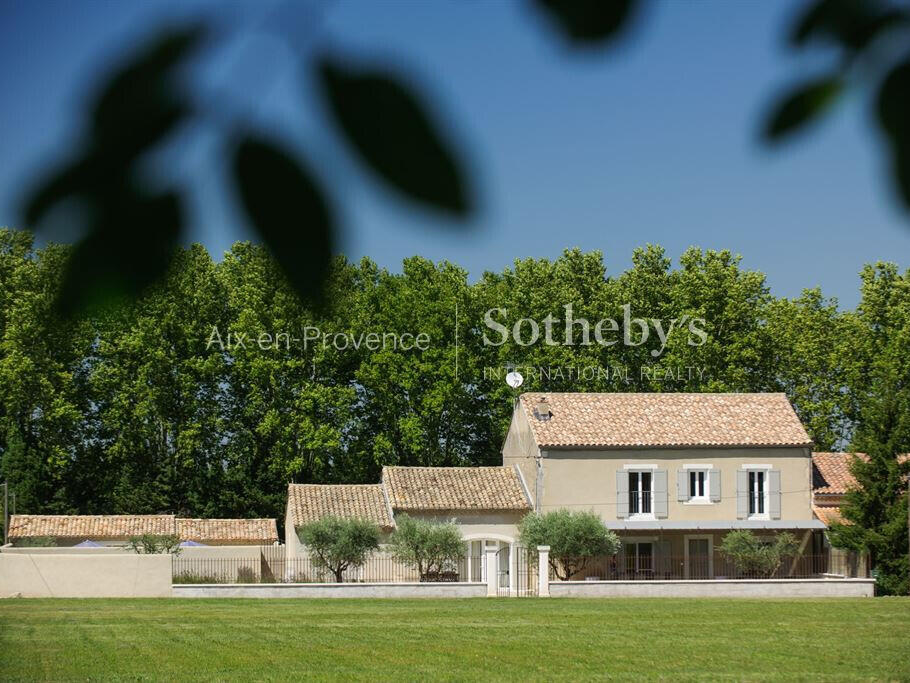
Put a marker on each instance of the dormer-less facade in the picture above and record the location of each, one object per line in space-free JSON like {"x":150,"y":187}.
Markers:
{"x":671,"y":473}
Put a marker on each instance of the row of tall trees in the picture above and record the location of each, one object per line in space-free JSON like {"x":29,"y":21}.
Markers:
{"x":138,"y":408}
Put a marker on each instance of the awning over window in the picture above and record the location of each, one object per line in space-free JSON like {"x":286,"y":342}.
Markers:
{"x":711,"y":525}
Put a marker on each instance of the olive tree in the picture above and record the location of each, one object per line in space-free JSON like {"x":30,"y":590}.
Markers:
{"x":338,"y":544}
{"x":574,"y":537}
{"x":751,"y":555}
{"x":429,"y":547}
{"x":156,"y":544}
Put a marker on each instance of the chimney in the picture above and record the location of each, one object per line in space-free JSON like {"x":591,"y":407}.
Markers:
{"x":542,"y":409}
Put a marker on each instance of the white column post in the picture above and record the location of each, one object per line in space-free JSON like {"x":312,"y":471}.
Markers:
{"x":469,"y":565}
{"x":492,"y":570}
{"x":513,"y":568}
{"x":543,"y":571}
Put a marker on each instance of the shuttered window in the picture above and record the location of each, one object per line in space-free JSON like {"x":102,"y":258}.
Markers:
{"x":758,"y":494}
{"x":640,"y":493}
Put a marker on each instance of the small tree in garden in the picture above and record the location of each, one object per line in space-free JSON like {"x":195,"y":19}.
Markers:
{"x":574,"y":537}
{"x":751,"y":555}
{"x":339,"y":544}
{"x":155,"y":544}
{"x":428,"y":547}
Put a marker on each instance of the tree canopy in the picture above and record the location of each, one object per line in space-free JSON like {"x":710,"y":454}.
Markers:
{"x":154,"y":406}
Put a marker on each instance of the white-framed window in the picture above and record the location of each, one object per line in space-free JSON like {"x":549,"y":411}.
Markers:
{"x":699,"y":485}
{"x":757,"y":480}
{"x":640,"y":493}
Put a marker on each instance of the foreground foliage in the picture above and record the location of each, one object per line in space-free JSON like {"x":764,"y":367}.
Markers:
{"x":488,"y":639}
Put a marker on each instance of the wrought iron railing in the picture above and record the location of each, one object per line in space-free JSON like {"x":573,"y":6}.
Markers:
{"x":679,"y":567}
{"x":276,"y":567}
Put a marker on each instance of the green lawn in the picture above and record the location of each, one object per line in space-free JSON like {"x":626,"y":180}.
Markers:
{"x":515,"y":639}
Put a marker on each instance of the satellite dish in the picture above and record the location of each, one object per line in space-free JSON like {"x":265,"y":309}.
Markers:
{"x":514,"y":379}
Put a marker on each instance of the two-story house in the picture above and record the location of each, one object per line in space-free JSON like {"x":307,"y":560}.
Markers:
{"x":670,"y":473}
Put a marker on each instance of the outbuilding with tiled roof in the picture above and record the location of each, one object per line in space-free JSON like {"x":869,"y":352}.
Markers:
{"x":116,"y":530}
{"x":228,"y":531}
{"x":475,"y":489}
{"x":311,"y":502}
{"x":68,"y":528}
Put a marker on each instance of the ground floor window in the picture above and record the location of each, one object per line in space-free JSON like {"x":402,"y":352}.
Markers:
{"x":639,"y":557}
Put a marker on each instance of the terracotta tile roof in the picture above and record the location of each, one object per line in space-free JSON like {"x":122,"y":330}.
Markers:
{"x":228,"y":531}
{"x":111,"y":527}
{"x":831,"y":473}
{"x":309,"y":502}
{"x":653,"y":420}
{"x":454,"y":488}
{"x":828,"y":514}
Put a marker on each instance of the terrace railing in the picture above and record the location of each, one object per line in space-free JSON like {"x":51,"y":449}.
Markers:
{"x":676,"y":567}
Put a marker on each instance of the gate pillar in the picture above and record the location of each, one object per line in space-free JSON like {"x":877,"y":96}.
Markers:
{"x":492,"y":569}
{"x":543,"y":571}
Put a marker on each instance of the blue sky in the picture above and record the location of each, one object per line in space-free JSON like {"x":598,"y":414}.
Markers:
{"x":651,"y":141}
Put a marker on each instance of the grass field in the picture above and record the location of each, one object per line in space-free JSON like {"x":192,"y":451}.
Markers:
{"x":455,"y":639}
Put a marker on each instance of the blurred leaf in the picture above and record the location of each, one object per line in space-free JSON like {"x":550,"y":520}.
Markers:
{"x":137,"y":107}
{"x":894,"y":102}
{"x":288,"y":209}
{"x":386,"y":124}
{"x":801,"y":106}
{"x":853,"y":23}
{"x":588,"y":21}
{"x":129,"y":249}
{"x":894,"y":118}
{"x":141,"y":103}
{"x":146,"y":71}
{"x":902,"y":174}
{"x":72,"y":179}
{"x":144,"y":120}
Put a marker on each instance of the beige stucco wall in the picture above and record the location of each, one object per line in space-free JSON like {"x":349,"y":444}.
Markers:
{"x":521,"y":450}
{"x":66,"y":550}
{"x":219,"y":551}
{"x":502,"y":526}
{"x":758,"y":588}
{"x":38,"y":575}
{"x":586,"y":479}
